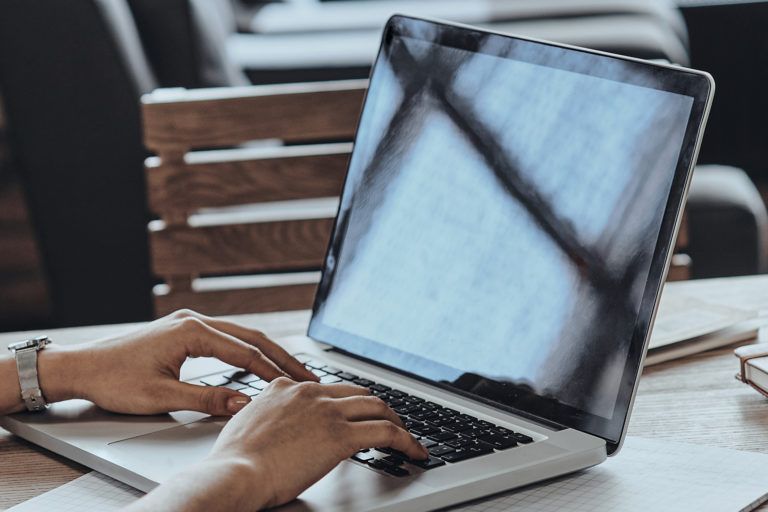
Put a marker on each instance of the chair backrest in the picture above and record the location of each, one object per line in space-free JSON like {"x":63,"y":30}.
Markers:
{"x":244,"y":227}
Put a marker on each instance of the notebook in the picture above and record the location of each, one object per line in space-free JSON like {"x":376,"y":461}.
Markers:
{"x":646,"y":475}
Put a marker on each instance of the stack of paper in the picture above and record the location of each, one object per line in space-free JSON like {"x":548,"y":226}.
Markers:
{"x":700,"y":315}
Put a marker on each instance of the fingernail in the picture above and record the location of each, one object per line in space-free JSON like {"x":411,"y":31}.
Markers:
{"x":236,"y":403}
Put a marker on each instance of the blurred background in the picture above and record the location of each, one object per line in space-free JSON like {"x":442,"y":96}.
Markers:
{"x":80,"y":241}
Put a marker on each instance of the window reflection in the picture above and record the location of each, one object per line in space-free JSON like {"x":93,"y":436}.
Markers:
{"x":499,"y":221}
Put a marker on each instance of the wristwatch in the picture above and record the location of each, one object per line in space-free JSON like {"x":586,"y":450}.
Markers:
{"x":25,"y":353}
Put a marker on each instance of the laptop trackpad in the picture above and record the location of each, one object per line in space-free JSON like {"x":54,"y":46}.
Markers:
{"x":159,"y":455}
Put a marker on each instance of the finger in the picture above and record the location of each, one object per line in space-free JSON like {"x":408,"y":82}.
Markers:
{"x":275,"y":352}
{"x":365,"y":434}
{"x":343,"y":390}
{"x":205,"y":341}
{"x":361,"y":408}
{"x":216,"y":401}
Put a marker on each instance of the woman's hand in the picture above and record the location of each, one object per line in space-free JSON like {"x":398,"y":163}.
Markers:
{"x":289,"y":437}
{"x":291,"y":423}
{"x":138,"y":372}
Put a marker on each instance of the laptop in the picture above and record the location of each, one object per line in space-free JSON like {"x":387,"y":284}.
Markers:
{"x":504,"y":231}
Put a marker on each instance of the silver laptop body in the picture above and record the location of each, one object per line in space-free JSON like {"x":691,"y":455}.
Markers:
{"x":504,"y":231}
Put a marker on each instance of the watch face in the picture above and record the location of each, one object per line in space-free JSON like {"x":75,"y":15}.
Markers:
{"x":39,"y":342}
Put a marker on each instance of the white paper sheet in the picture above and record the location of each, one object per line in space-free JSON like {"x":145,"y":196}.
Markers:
{"x":646,"y":475}
{"x":649,"y":475}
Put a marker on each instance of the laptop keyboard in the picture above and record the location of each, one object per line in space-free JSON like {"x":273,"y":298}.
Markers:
{"x":450,"y":436}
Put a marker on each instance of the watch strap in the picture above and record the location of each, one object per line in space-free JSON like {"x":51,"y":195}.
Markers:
{"x":26,"y":364}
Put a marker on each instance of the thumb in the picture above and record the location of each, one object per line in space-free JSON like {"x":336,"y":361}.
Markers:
{"x":212,"y":400}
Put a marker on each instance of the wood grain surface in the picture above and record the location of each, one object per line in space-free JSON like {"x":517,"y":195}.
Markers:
{"x":232,"y":178}
{"x":231,"y":248}
{"x":230,"y":116}
{"x":694,"y":400}
{"x":239,"y":300}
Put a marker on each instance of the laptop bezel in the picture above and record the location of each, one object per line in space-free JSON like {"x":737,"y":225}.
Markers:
{"x":662,"y":254}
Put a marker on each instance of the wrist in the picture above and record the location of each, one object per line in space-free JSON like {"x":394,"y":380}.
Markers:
{"x":245,"y":481}
{"x":59,"y":372}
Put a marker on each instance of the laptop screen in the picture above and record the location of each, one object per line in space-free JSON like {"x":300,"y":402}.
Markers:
{"x":506,"y":218}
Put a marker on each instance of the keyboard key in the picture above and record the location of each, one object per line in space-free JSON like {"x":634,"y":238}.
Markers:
{"x":498,"y":441}
{"x":427,"y":443}
{"x":442,"y":436}
{"x":459,"y":442}
{"x":319,"y":373}
{"x":423,"y":415}
{"x":250,"y":391}
{"x":347,"y":376}
{"x":398,"y":394}
{"x":439,"y":420}
{"x":431,"y":462}
{"x":440,"y":450}
{"x":303,"y":358}
{"x":397,"y":471}
{"x":215,"y":380}
{"x":363,"y":382}
{"x":314,"y":364}
{"x":414,"y":400}
{"x":330,"y":369}
{"x":247,"y":378}
{"x":475,"y":432}
{"x":424,"y":430}
{"x":378,"y":464}
{"x":235,"y":385}
{"x":411,"y":424}
{"x":457,"y":426}
{"x":330,"y":379}
{"x":379,"y":387}
{"x":394,"y":402}
{"x":406,"y":409}
{"x":395,"y":459}
{"x":465,"y":454}
{"x":521,"y":438}
{"x":363,"y":456}
{"x":259,"y":384}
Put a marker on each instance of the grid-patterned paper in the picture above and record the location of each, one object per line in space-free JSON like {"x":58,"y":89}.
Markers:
{"x":92,"y":491}
{"x":647,"y":475}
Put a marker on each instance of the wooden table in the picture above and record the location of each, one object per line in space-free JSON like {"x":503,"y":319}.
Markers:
{"x":693,"y":400}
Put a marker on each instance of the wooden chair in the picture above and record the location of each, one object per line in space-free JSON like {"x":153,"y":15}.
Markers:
{"x":243,"y":227}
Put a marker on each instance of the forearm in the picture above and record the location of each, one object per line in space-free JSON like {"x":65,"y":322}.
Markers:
{"x":210,"y":486}
{"x":57,"y":369}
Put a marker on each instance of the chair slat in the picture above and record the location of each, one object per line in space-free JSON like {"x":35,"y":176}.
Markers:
{"x":222,"y":178}
{"x":232,"y":248}
{"x":238,"y":301}
{"x":230,"y":116}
